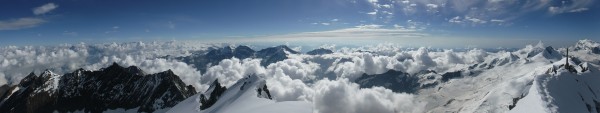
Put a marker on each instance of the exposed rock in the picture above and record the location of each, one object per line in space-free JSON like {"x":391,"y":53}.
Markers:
{"x":96,"y":91}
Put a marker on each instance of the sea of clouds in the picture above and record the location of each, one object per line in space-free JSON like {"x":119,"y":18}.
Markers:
{"x":324,"y":80}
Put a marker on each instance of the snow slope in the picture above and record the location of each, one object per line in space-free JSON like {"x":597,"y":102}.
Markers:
{"x":242,"y":97}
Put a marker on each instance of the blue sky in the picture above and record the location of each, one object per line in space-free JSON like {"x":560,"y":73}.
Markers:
{"x":443,"y":23}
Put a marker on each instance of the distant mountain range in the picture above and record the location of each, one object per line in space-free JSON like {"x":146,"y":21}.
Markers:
{"x":269,"y":55}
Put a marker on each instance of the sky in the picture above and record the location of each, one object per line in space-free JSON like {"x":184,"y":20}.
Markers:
{"x":437,"y":23}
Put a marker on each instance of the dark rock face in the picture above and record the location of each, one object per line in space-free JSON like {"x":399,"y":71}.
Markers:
{"x":213,"y":57}
{"x":243,"y":52}
{"x":264,"y":92}
{"x":596,"y":50}
{"x":215,"y":91}
{"x":397,"y":81}
{"x":451,"y":75}
{"x":274,"y":54}
{"x":269,"y":55}
{"x":96,"y":91}
{"x":320,"y":51}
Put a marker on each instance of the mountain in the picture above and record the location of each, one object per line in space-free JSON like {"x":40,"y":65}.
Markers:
{"x":587,"y":45}
{"x":211,"y":95}
{"x":539,"y":81}
{"x":248,"y":95}
{"x":397,"y":81}
{"x":320,"y":51}
{"x":269,"y":55}
{"x":114,"y":87}
{"x":274,"y":54}
{"x":532,"y":79}
{"x":214,"y":56}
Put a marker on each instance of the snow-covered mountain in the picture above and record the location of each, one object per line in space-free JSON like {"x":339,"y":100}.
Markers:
{"x":319,"y":51}
{"x":248,"y":95}
{"x":270,"y":55}
{"x":536,"y":78}
{"x":204,"y":60}
{"x":110,"y":88}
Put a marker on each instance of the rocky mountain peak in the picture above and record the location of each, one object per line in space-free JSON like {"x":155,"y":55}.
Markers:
{"x":96,"y":91}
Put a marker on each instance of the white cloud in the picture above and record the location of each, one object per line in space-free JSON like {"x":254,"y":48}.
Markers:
{"x":372,"y":13}
{"x":44,"y":8}
{"x":405,"y":2}
{"x":334,"y":20}
{"x":432,"y":5}
{"x":372,"y":1}
{"x":294,"y":69}
{"x":361,"y":32}
{"x":467,"y":20}
{"x":480,"y":11}
{"x":455,"y":20}
{"x":342,"y":96}
{"x":325,"y":23}
{"x":570,"y":6}
{"x":475,"y":20}
{"x":497,"y":20}
{"x":228,"y":71}
{"x":386,"y":6}
{"x":578,"y":10}
{"x":21,"y":23}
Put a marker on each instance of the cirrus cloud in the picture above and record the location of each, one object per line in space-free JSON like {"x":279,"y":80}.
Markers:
{"x":44,"y":8}
{"x":21,"y":23}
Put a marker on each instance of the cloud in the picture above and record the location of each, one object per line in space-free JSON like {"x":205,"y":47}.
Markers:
{"x":432,"y":5}
{"x":342,"y":96}
{"x":467,"y":20}
{"x":286,"y":79}
{"x":570,"y":6}
{"x":21,"y":23}
{"x":455,"y":20}
{"x":475,"y":20}
{"x":559,"y":10}
{"x":497,"y":20}
{"x":294,"y":69}
{"x":483,"y":10}
{"x":44,"y":8}
{"x":228,"y":71}
{"x":357,"y":33}
{"x":372,"y":13}
{"x":27,"y":22}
